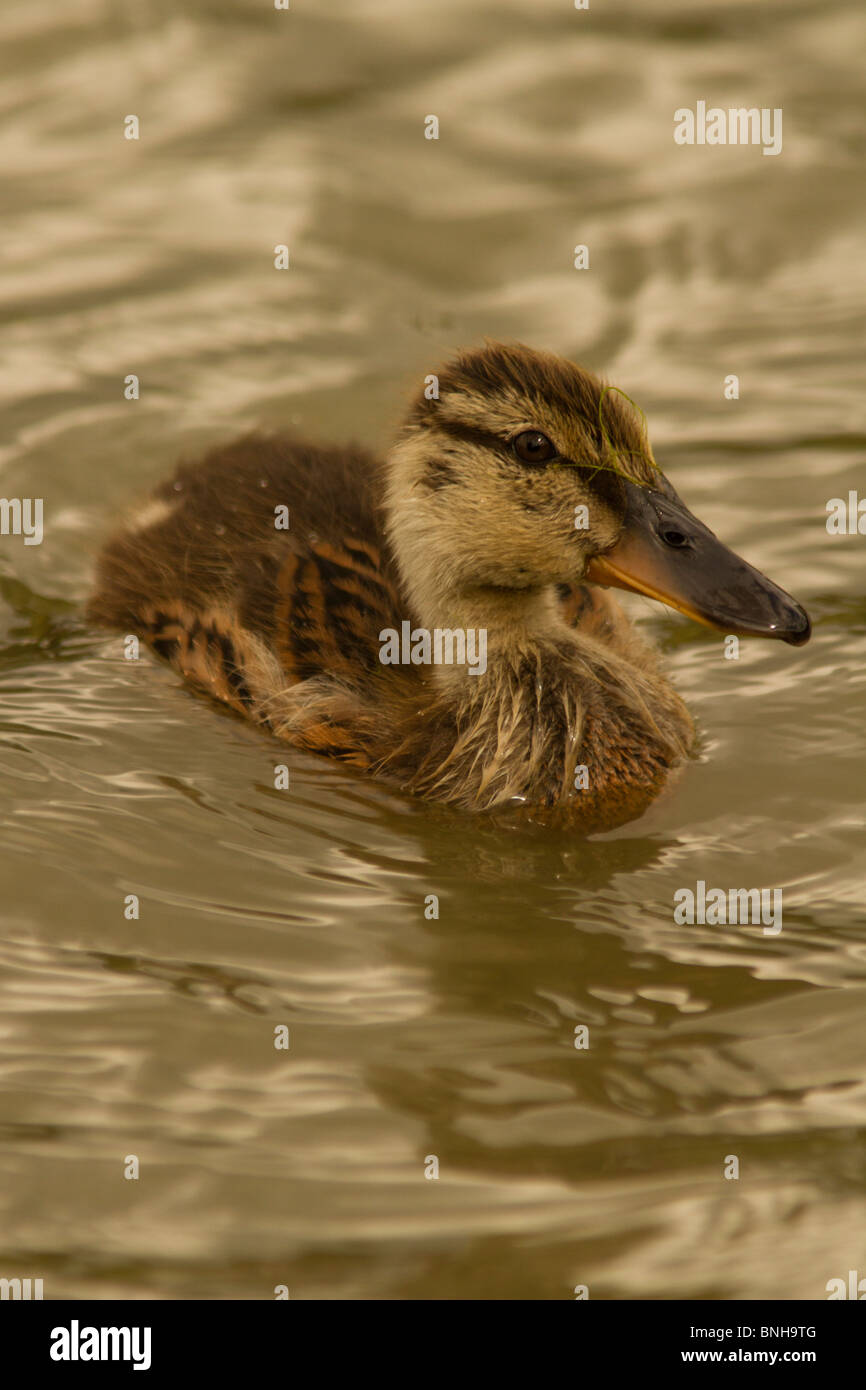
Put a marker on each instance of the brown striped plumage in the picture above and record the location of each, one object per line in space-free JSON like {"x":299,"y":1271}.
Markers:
{"x":283,"y":625}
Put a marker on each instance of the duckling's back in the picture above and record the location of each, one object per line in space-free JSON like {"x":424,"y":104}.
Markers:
{"x":261,"y":566}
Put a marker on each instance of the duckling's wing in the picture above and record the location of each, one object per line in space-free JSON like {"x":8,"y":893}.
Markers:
{"x":262,"y":566}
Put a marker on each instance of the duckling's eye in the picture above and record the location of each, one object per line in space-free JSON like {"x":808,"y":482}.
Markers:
{"x":533,"y":447}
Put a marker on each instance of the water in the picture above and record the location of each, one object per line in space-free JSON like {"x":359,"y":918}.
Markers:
{"x":413,"y":1037}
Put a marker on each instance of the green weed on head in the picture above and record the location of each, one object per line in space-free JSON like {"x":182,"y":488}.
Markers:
{"x":617,"y":459}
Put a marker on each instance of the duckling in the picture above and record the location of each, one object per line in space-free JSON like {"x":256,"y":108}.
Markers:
{"x":275,"y":573}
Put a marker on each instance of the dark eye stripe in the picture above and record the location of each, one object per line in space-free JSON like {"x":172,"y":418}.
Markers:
{"x":486,"y":439}
{"x":470,"y":434}
{"x":599,"y":480}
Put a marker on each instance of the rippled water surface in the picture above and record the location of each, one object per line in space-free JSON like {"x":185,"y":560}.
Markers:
{"x":413,"y":1037}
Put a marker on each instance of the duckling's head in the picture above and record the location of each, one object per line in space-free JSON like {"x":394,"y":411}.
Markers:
{"x":517,"y":470}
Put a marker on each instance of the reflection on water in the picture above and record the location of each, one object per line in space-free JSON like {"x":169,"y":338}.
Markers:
{"x":413,"y":1035}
